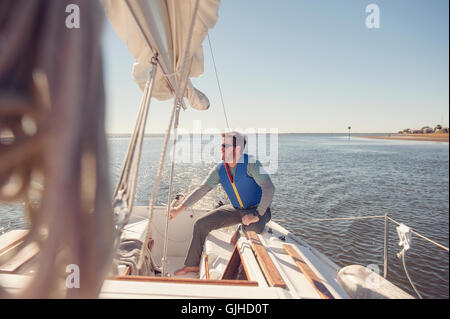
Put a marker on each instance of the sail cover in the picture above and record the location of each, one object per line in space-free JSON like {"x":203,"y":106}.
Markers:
{"x":175,"y":30}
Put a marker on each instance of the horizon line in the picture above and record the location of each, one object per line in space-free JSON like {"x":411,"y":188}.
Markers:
{"x":279,"y":133}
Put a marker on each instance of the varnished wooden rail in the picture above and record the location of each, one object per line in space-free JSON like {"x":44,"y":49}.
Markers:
{"x":11,"y":238}
{"x":323,"y":291}
{"x":23,"y":256}
{"x":188,"y":281}
{"x":206,"y":267}
{"x":233,"y":264}
{"x":269,"y":269}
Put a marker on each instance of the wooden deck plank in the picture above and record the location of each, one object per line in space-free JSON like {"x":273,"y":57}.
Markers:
{"x":206,"y":267}
{"x":232,"y":265}
{"x":268,"y":267}
{"x":23,"y":256}
{"x":321,"y":289}
{"x":232,"y":268}
{"x":188,"y":281}
{"x":11,"y":238}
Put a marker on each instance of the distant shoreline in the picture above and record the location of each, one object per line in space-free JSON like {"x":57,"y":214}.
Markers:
{"x":113,"y":135}
{"x":413,"y":137}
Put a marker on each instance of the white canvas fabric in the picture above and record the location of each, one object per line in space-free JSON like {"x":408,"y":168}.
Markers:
{"x":165,"y":27}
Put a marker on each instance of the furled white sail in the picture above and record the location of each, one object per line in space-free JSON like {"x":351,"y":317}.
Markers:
{"x":175,"y":30}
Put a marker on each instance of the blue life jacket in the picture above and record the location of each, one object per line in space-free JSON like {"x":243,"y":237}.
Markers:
{"x":248,"y":190}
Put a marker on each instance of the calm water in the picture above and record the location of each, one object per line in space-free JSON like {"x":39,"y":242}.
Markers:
{"x":328,"y":176}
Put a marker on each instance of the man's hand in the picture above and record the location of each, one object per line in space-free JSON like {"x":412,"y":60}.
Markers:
{"x":175,"y":211}
{"x":249,"y":219}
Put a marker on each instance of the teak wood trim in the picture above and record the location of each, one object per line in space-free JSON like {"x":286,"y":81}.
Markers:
{"x":206,"y":267}
{"x":268,"y":267}
{"x":243,"y":263}
{"x":19,"y":235}
{"x":21,"y":258}
{"x":321,"y":289}
{"x":233,"y":264}
{"x":188,"y":281}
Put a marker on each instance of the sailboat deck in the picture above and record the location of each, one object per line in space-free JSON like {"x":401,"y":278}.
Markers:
{"x":267,"y":262}
{"x":271,"y":270}
{"x":273,"y":264}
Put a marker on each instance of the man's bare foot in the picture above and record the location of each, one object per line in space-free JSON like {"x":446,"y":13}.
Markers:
{"x":186,"y":269}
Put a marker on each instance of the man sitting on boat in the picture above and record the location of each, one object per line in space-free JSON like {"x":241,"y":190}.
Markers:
{"x":249,"y":189}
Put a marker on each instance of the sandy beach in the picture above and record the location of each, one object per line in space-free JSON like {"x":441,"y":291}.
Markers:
{"x":413,"y":137}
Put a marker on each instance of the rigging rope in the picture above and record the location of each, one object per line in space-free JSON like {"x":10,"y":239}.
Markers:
{"x":381,"y":216}
{"x":422,"y":236}
{"x":218,"y":83}
{"x":402,"y":253}
{"x":166,"y":234}
{"x":148,"y":231}
{"x":123,"y":197}
{"x":124,"y":193}
{"x":178,"y":102}
{"x":407,"y":275}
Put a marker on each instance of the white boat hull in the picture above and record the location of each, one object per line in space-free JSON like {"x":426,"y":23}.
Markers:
{"x":300,"y":271}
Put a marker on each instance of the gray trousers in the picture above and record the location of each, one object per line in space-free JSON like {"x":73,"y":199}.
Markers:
{"x":222,"y":216}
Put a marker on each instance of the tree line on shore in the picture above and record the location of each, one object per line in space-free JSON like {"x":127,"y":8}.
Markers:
{"x":426,"y":130}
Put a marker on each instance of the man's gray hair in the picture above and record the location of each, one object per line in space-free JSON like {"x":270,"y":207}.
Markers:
{"x":238,"y":138}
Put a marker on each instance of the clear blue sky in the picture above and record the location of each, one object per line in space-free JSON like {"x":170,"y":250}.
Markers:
{"x":307,"y":66}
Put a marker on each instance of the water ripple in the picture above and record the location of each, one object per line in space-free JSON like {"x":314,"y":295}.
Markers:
{"x":326,"y":176}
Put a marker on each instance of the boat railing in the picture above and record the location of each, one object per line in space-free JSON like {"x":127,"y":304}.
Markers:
{"x":387,"y":219}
